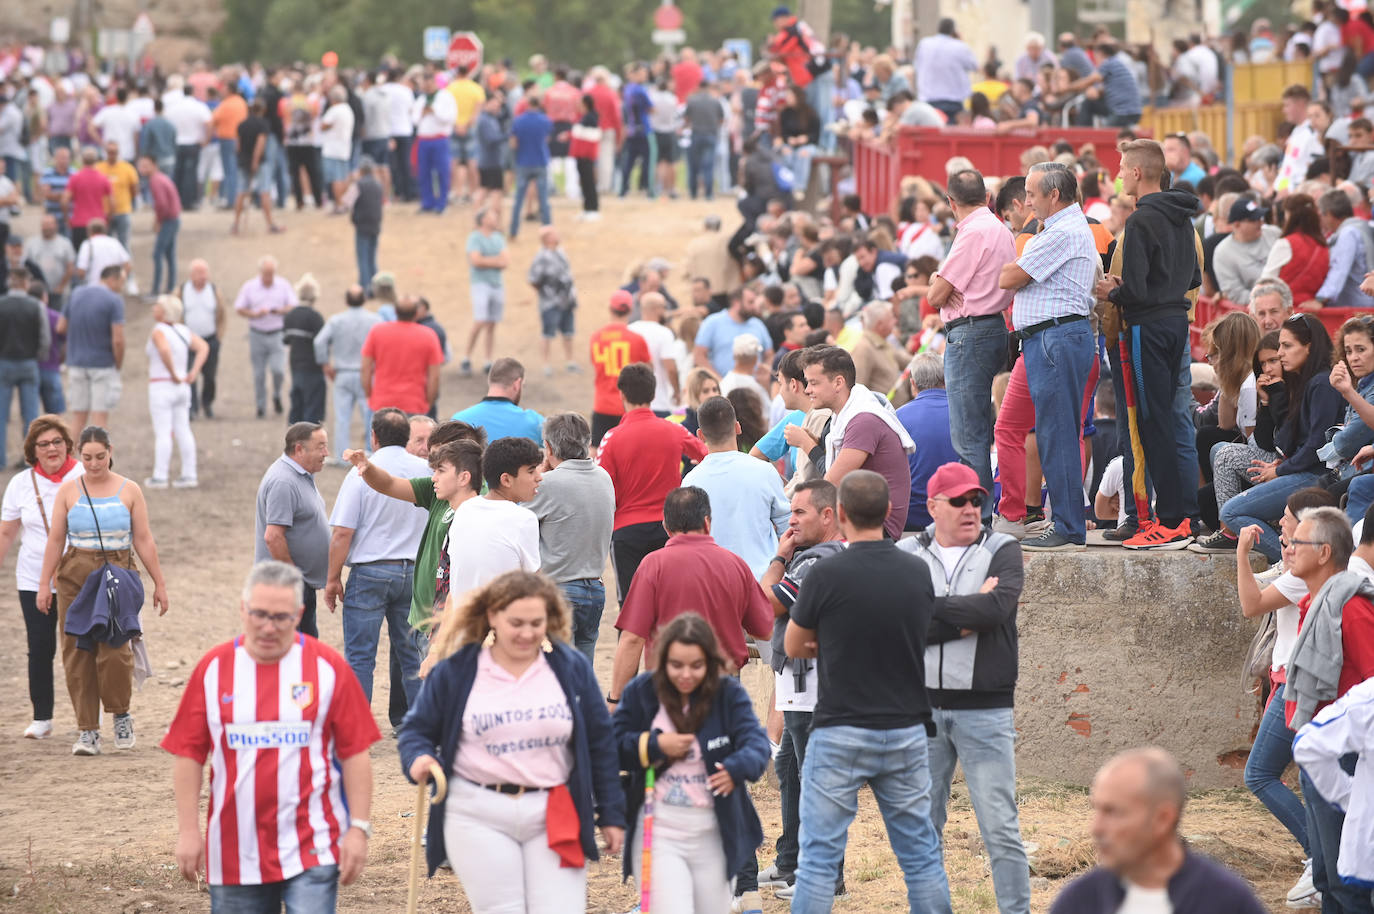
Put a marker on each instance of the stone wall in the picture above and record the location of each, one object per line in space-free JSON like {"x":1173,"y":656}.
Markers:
{"x":1122,"y":649}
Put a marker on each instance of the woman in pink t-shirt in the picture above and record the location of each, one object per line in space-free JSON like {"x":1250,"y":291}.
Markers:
{"x":696,"y":727}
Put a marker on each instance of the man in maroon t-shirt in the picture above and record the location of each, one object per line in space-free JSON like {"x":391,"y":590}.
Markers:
{"x":90,"y":195}
{"x":691,"y":573}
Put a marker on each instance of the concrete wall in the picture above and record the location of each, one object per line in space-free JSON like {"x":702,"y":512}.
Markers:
{"x":1122,"y":649}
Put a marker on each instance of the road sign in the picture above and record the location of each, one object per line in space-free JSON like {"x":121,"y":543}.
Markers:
{"x":669,"y":36}
{"x":436,"y":39}
{"x":667,"y":17}
{"x":743,"y":49}
{"x":143,"y":27}
{"x":465,"y":50}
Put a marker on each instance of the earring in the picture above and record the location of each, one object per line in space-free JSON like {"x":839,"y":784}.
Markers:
{"x":490,"y":638}
{"x":547,"y":646}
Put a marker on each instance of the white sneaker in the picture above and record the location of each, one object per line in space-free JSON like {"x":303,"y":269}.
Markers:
{"x":185,"y":483}
{"x":1012,"y":528}
{"x":124,"y":731}
{"x":39,"y":729}
{"x":1303,"y":892}
{"x":152,"y":482}
{"x":88,"y":743}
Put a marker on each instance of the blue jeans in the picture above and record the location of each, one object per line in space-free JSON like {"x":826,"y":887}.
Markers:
{"x":701,"y":165}
{"x":378,"y":593}
{"x":798,"y":160}
{"x":587,"y":597}
{"x":17,"y":170}
{"x":314,"y":891}
{"x":1324,"y":825}
{"x":165,"y":251}
{"x":1263,"y":505}
{"x":365,"y":247}
{"x":23,"y":374}
{"x":120,"y":224}
{"x":974,"y":354}
{"x":983,"y":743}
{"x":1359,"y":496}
{"x":1185,"y":435}
{"x":840,"y":760}
{"x":348,"y":392}
{"x":539,"y":177}
{"x":820,"y":95}
{"x":1058,"y":362}
{"x":796,"y":734}
{"x":229,"y":187}
{"x":276,"y":165}
{"x":434,"y":173}
{"x":50,"y":391}
{"x":1269,"y":756}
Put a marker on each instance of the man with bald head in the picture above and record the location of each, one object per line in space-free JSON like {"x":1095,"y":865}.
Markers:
{"x":205,"y":316}
{"x":667,"y":387}
{"x":263,"y":300}
{"x":1143,"y":865}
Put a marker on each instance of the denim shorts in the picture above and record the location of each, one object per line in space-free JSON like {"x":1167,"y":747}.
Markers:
{"x":556,"y":321}
{"x":464,"y":148}
{"x":314,"y":890}
{"x":258,"y":182}
{"x":335,"y":170}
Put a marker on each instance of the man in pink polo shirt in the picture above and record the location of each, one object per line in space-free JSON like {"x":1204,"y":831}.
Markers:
{"x":90,"y":193}
{"x":971,"y":305}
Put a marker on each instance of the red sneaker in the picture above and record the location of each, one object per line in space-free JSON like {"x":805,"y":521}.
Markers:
{"x":1158,"y":537}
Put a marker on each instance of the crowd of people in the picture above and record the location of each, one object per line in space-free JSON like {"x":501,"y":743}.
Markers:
{"x":832,"y":457}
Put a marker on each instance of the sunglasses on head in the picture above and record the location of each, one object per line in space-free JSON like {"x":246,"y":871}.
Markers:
{"x":969,"y":498}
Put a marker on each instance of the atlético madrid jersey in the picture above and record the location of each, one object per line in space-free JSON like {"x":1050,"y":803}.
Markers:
{"x":273,"y":734}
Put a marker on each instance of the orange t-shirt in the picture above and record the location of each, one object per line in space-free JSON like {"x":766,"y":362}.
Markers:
{"x":613,"y":347}
{"x":227,"y":116}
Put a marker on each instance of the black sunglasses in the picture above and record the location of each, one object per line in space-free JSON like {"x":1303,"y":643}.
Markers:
{"x":971,"y":498}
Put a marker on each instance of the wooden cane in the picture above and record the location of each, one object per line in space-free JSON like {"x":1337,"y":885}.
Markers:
{"x":440,"y":791}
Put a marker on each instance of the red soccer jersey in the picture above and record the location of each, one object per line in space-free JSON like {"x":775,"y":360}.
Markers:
{"x":613,"y":347}
{"x":273,"y":734}
{"x":643,"y":455}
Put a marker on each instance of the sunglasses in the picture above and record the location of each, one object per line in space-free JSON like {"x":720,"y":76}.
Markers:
{"x":971,"y":498}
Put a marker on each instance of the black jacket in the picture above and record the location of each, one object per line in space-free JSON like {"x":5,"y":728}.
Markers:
{"x":1159,"y":261}
{"x":1199,"y":887}
{"x":1304,"y":431}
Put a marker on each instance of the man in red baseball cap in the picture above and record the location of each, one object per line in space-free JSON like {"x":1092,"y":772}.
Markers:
{"x":970,"y":669}
{"x":613,"y":347}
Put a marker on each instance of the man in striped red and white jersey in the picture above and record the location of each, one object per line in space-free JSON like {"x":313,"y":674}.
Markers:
{"x":283,"y":723}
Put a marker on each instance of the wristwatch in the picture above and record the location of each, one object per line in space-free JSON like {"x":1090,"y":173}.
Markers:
{"x":363,"y":826}
{"x":779,"y":559}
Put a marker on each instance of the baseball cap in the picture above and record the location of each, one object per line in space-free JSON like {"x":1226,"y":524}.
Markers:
{"x":1246,"y":209}
{"x":953,"y":479}
{"x":621,"y":302}
{"x":780,"y":11}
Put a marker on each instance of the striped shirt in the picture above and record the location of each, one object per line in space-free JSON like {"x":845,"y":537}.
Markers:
{"x":273,"y":734}
{"x":56,"y":183}
{"x":1062,"y":262}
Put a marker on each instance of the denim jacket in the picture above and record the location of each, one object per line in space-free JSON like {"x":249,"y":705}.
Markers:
{"x":1352,"y":435}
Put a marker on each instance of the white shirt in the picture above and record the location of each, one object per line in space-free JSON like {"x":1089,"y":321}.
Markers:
{"x":920,"y":239}
{"x":733,"y":380}
{"x":1285,"y":617}
{"x":439,"y":119}
{"x":399,"y":97}
{"x":1145,"y":901}
{"x":1328,"y":35}
{"x":190,"y":117}
{"x":119,"y":124}
{"x":1247,"y":404}
{"x":6,"y":188}
{"x":142,"y":107}
{"x":788,"y":698}
{"x":383,"y":527}
{"x":660,"y":340}
{"x":1112,"y":484}
{"x":336,"y":133}
{"x":200,"y":308}
{"x":98,"y":252}
{"x":488,"y":537}
{"x":19,"y":504}
{"x":178,"y":339}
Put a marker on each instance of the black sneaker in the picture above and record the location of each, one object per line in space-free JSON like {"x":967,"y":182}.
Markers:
{"x":1120,"y":533}
{"x":1219,"y":542}
{"x":276,"y":404}
{"x":1051,"y":541}
{"x":771,"y":878}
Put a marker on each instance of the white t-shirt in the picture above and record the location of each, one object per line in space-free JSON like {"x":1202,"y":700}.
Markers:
{"x":19,"y":504}
{"x":120,"y":125}
{"x":178,"y":339}
{"x":788,"y":698}
{"x":190,"y":117}
{"x":733,"y":380}
{"x":1285,"y":617}
{"x":98,"y":252}
{"x":142,"y":107}
{"x":6,"y":188}
{"x":336,"y":134}
{"x":1145,"y":901}
{"x":1328,"y":35}
{"x":400,"y":97}
{"x":920,"y":240}
{"x":950,"y":557}
{"x":199,"y":308}
{"x":1113,"y":484}
{"x":489,"y":537}
{"x":1247,"y":405}
{"x":660,"y":340}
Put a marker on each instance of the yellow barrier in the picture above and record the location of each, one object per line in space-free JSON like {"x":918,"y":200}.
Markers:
{"x":1265,"y":82}
{"x":1252,"y":119}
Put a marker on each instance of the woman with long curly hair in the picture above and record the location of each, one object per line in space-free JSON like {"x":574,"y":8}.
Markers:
{"x":513,"y":714}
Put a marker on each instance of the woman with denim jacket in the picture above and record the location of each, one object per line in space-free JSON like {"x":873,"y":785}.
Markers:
{"x":515,"y":717}
{"x":696,"y":727}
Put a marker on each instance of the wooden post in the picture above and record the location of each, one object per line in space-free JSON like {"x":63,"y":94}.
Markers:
{"x":816,"y":13}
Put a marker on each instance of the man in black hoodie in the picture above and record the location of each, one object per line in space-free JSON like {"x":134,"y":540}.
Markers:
{"x":1159,"y":267}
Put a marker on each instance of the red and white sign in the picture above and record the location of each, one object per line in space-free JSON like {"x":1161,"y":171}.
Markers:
{"x":465,"y":50}
{"x":667,"y":17}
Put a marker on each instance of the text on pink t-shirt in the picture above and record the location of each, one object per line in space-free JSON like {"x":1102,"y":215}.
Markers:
{"x":683,"y":783}
{"x":516,"y":730}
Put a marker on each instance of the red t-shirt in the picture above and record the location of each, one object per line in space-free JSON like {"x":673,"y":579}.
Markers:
{"x":272,"y":734}
{"x":643,"y":455}
{"x":90,"y":190}
{"x":1357,"y":32}
{"x":403,"y":352}
{"x":692,"y":573}
{"x":613,"y":347}
{"x":686,"y":77}
{"x":1357,"y":646}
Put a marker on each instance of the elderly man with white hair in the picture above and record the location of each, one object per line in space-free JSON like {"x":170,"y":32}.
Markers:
{"x":746,"y":350}
{"x":263,"y":300}
{"x":878,"y":363}
{"x":1271,"y":303}
{"x":1028,"y":65}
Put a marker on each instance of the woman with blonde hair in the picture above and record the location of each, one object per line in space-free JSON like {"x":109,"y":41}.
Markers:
{"x":171,"y":348}
{"x":702,"y":384}
{"x":515,"y":717}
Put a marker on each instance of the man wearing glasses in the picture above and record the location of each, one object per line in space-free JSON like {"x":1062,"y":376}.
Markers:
{"x":970,"y":669}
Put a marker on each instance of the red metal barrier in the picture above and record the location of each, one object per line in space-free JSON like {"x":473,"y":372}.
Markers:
{"x":1209,"y":309}
{"x":923,"y":151}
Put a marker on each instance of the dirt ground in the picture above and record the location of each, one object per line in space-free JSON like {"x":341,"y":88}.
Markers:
{"x":96,"y":835}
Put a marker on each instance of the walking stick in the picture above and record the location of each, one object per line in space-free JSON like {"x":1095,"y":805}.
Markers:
{"x":647,"y":858}
{"x":440,"y":790}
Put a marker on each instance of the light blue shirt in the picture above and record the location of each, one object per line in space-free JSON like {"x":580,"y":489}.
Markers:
{"x":748,"y":507}
{"x":774,"y":444}
{"x":1062,"y":262}
{"x":717,"y":335}
{"x":1342,"y":286}
{"x":487,"y":246}
{"x":502,"y":419}
{"x":341,"y":340}
{"x":943,"y":64}
{"x":383,"y":527}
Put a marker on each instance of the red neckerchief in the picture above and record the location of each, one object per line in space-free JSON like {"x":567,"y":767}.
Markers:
{"x":60,"y":474}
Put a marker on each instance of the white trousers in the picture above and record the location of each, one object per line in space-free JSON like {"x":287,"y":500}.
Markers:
{"x":605,"y":163}
{"x":498,"y":846}
{"x":688,"y":862}
{"x":169,"y":405}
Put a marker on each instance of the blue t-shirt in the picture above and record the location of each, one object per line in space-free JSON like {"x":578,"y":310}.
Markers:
{"x":717,"y":334}
{"x":531,"y":131}
{"x":503,"y":419}
{"x":637,"y":105}
{"x":91,"y":312}
{"x":926,"y":420}
{"x":487,"y":246}
{"x":774,"y":444}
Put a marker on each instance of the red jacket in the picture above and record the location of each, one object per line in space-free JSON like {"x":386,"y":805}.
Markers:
{"x":1306,"y":272}
{"x":608,"y":109}
{"x":795,"y":45}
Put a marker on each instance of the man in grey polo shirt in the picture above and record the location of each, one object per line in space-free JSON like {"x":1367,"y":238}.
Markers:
{"x":291,"y":524}
{"x":339,"y":349}
{"x":575,"y":505}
